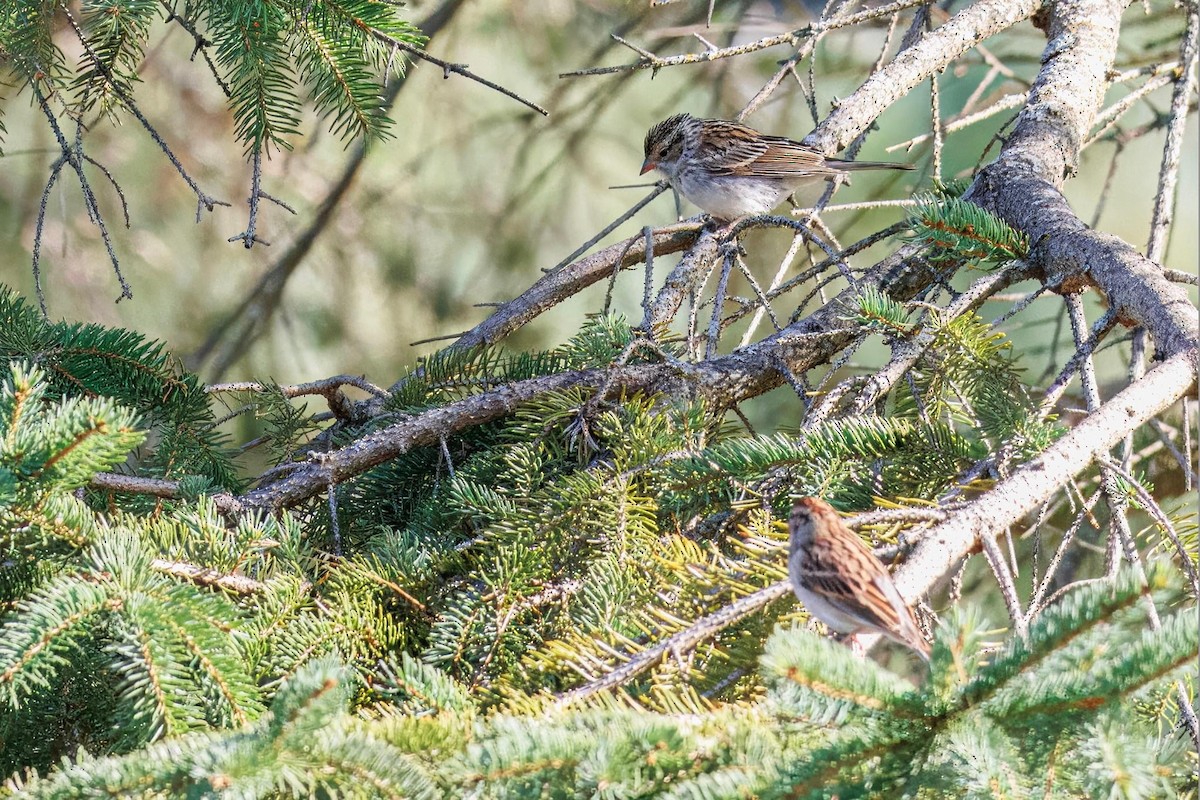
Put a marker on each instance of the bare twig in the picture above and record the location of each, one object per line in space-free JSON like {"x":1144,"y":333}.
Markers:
{"x":297,"y":390}
{"x":115,"y":482}
{"x":1168,"y":173}
{"x":1118,"y":521}
{"x":681,"y":642}
{"x":1004,"y":579}
{"x":201,"y":44}
{"x":1155,"y":511}
{"x":788,"y":66}
{"x":249,"y":236}
{"x":1006,"y":103}
{"x":1109,"y":117}
{"x":652,"y":62}
{"x":714,"y":324}
{"x":612,"y":226}
{"x":681,"y":280}
{"x":154,"y":487}
{"x":1100,"y":329}
{"x":913,"y":65}
{"x":457,"y":69}
{"x":784,"y":264}
{"x":1038,"y":601}
{"x":72,"y":156}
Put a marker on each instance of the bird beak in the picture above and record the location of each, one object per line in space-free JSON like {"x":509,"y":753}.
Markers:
{"x":647,"y":165}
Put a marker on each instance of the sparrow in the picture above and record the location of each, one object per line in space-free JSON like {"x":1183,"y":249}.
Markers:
{"x":841,"y":582}
{"x":731,"y":170}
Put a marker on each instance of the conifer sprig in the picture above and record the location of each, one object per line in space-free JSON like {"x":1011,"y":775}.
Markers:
{"x":954,"y":228}
{"x":274,"y":58}
{"x":91,"y":360}
{"x":831,"y":724}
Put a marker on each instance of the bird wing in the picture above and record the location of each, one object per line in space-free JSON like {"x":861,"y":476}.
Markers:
{"x":905,"y":626}
{"x":783,"y":158}
{"x":745,"y":152}
{"x":868,"y":601}
{"x":739,"y":148}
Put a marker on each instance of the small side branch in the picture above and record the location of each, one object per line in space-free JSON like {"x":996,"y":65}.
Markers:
{"x":793,"y":38}
{"x":200,"y":46}
{"x":458,"y":69}
{"x":204,"y":576}
{"x":681,"y":642}
{"x":72,"y":155}
{"x":249,"y":236}
{"x":559,"y":284}
{"x":154,"y":487}
{"x":329,"y":388}
{"x":935,"y":51}
{"x":1168,"y":174}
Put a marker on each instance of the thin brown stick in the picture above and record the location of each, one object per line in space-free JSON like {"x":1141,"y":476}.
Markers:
{"x":795,"y":37}
{"x":457,"y":69}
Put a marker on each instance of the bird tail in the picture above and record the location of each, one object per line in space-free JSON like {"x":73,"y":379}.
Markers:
{"x":853,"y":165}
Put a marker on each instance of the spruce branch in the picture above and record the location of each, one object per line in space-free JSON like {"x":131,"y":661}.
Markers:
{"x":1185,"y":84}
{"x":329,"y":388}
{"x":933,"y":53}
{"x":304,"y":744}
{"x":121,"y":90}
{"x":1021,"y":186}
{"x":906,"y":352}
{"x":722,"y":381}
{"x":958,"y":230}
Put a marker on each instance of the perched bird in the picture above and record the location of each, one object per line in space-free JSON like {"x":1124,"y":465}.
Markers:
{"x":731,"y":170}
{"x":841,"y":582}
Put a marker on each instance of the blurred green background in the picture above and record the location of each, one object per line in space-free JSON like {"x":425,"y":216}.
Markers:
{"x":475,"y":194}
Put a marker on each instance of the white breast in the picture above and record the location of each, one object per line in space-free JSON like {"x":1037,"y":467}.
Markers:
{"x":729,"y":198}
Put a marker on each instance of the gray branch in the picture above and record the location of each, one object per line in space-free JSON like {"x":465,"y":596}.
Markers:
{"x":1022,"y":187}
{"x":944,"y":545}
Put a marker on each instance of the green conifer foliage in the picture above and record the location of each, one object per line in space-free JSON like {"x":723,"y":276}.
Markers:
{"x":184,"y":648}
{"x":990,"y":720}
{"x":89,"y":361}
{"x":956,"y":229}
{"x":119,"y":629}
{"x":273,"y":59}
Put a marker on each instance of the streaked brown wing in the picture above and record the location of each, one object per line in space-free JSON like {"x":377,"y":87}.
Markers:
{"x":906,"y":622}
{"x":739,"y":148}
{"x":867,"y":602}
{"x":785,"y":159}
